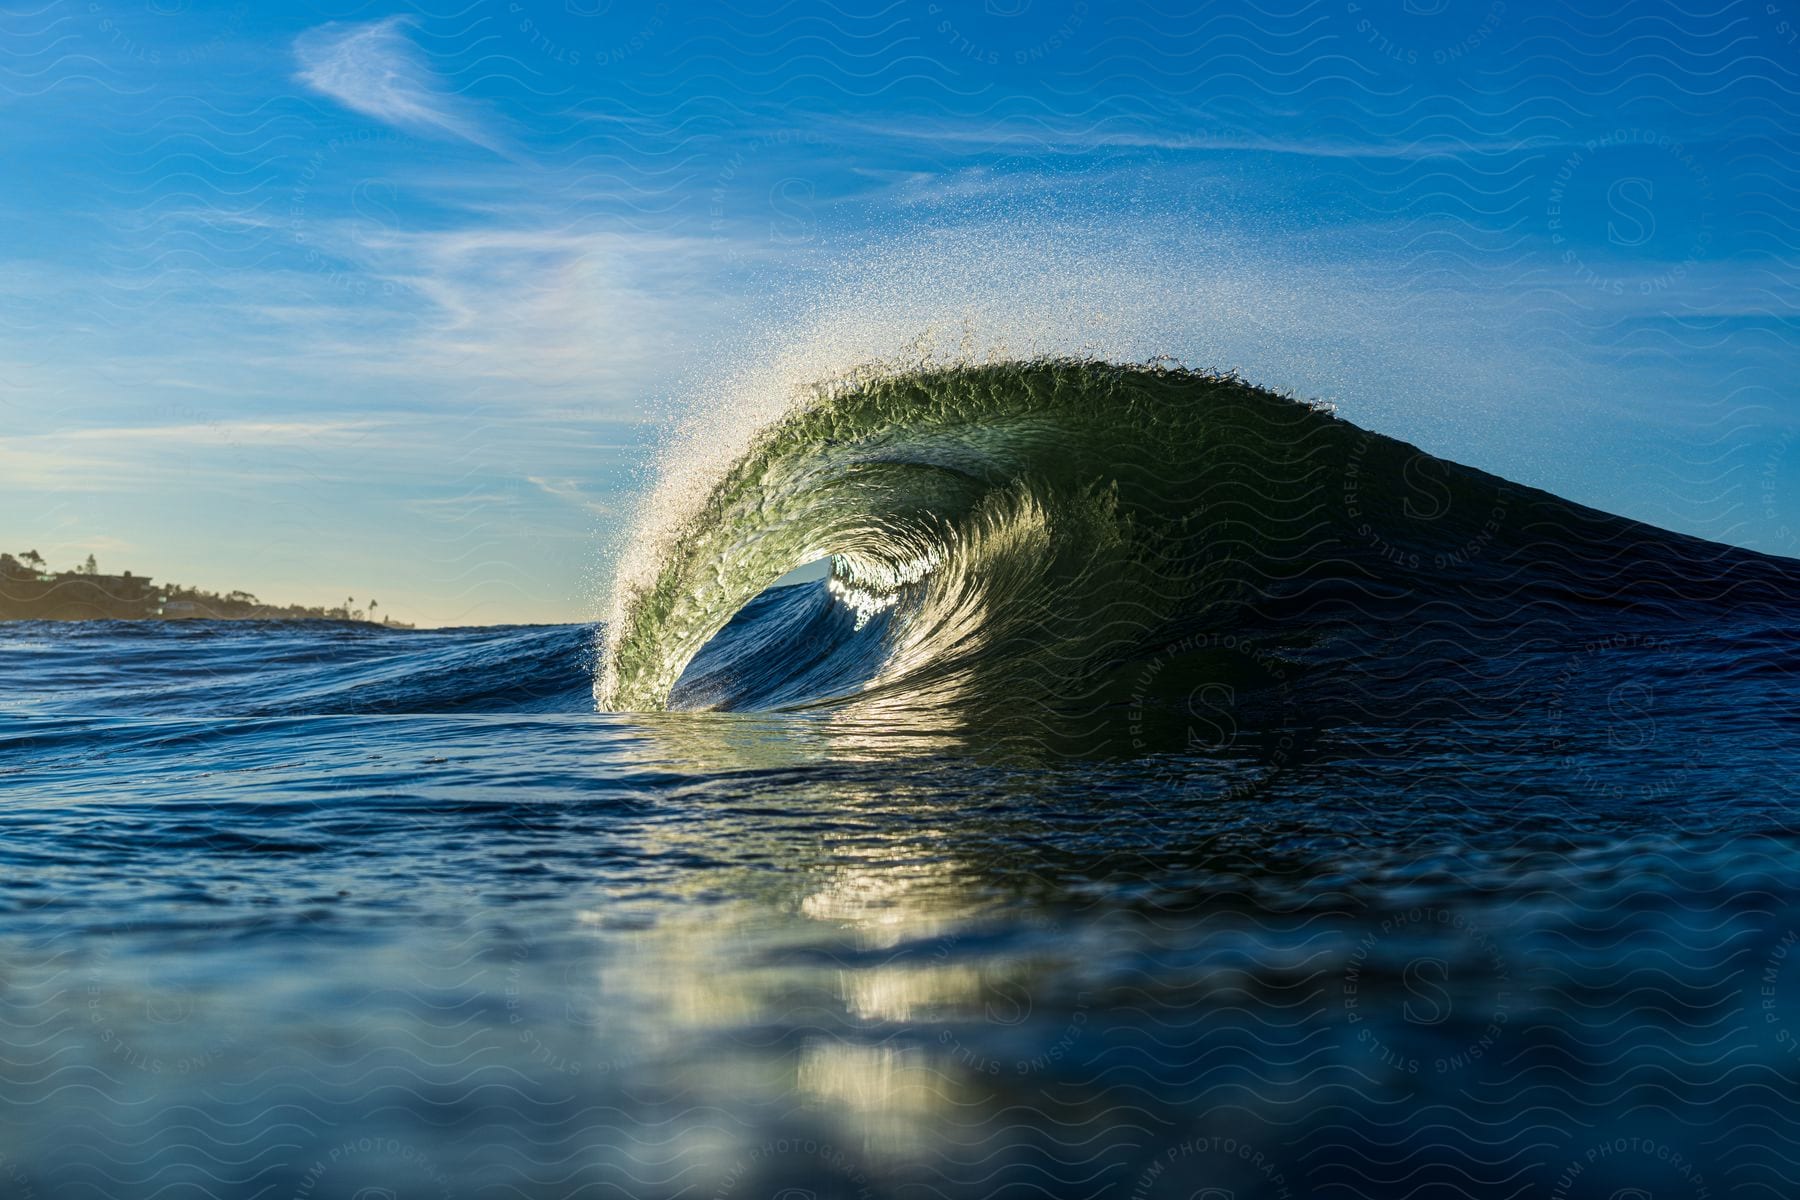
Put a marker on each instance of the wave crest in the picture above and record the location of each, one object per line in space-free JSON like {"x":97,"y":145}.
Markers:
{"x":1021,"y":538}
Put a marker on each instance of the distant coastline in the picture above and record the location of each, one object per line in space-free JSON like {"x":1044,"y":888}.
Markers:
{"x":30,"y":592}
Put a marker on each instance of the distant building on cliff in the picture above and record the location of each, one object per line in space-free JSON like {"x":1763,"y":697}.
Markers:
{"x":27,"y":593}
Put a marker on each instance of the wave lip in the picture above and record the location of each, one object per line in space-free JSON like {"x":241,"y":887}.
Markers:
{"x":1025,"y":538}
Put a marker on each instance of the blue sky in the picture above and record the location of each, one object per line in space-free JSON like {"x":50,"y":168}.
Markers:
{"x":321,"y":301}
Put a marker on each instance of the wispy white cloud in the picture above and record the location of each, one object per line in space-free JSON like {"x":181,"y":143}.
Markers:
{"x":121,"y":458}
{"x":581,"y":321}
{"x":240,"y":432}
{"x":1049,"y":136}
{"x":376,"y":70}
{"x":569,"y":490}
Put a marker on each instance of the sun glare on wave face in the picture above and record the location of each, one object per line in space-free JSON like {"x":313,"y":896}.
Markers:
{"x":866,"y":597}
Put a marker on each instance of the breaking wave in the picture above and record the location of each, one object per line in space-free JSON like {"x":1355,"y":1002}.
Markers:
{"x":1050,"y":540}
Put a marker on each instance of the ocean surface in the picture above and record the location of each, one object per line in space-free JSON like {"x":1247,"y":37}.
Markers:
{"x":1171,"y":791}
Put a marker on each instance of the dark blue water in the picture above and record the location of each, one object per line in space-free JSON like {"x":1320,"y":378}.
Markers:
{"x":304,"y":910}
